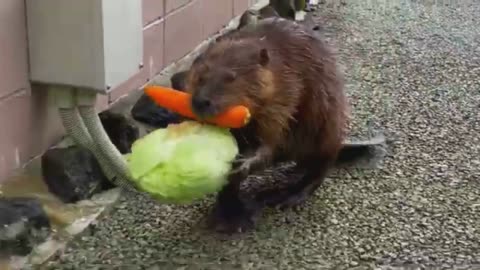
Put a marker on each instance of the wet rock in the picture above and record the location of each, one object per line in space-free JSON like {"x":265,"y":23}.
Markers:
{"x":73,"y":173}
{"x":146,"y":111}
{"x":23,"y":224}
{"x":120,"y":130}
{"x":178,"y":80}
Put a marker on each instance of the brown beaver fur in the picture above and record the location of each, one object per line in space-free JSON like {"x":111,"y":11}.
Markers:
{"x":290,"y":81}
{"x":248,"y":19}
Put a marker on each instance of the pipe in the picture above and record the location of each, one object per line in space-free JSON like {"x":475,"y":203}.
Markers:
{"x":67,"y":101}
{"x":86,"y":100}
{"x":76,"y":129}
{"x":74,"y":126}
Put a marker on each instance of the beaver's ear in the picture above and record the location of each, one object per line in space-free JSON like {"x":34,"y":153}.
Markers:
{"x":264,"y":57}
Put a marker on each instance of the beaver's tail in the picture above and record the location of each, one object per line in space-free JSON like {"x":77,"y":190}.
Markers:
{"x":362,"y":154}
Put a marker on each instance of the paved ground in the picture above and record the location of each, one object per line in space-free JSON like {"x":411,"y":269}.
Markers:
{"x":413,"y":70}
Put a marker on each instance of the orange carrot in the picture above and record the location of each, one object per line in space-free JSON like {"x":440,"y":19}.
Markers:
{"x":179,"y":102}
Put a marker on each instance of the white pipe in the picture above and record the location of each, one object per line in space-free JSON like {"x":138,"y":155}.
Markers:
{"x":73,"y":124}
{"x":67,"y":101}
{"x":86,"y":101}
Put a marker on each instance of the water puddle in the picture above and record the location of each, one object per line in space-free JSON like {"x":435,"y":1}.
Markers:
{"x":66,"y":220}
{"x":59,"y":213}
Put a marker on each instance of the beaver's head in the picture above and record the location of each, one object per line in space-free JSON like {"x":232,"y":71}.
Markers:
{"x":229,"y":73}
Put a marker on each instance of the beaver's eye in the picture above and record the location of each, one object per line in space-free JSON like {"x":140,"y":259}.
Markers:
{"x":201,"y":80}
{"x":230,"y":76}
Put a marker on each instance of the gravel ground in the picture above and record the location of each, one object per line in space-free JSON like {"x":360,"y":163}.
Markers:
{"x":413,"y":71}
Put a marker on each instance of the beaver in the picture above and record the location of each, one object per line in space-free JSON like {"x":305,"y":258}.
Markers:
{"x":289,"y":80}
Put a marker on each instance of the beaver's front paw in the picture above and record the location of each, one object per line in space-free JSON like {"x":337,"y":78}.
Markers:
{"x":244,"y":166}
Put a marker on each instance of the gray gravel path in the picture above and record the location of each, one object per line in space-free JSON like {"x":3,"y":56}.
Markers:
{"x":414,"y":71}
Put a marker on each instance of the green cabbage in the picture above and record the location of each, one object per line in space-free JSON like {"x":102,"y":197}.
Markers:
{"x":182,"y":162}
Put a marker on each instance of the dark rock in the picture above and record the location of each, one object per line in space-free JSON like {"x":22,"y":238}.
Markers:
{"x":73,"y":173}
{"x":122,"y":132}
{"x":146,"y":111}
{"x":179,"y":80}
{"x":23,"y":224}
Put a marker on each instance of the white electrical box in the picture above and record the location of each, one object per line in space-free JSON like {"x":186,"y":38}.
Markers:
{"x":96,"y":44}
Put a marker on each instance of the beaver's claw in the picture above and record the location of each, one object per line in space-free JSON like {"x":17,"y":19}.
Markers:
{"x":244,"y":165}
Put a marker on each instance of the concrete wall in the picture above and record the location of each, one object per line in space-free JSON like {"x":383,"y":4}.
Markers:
{"x":28,"y":126}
